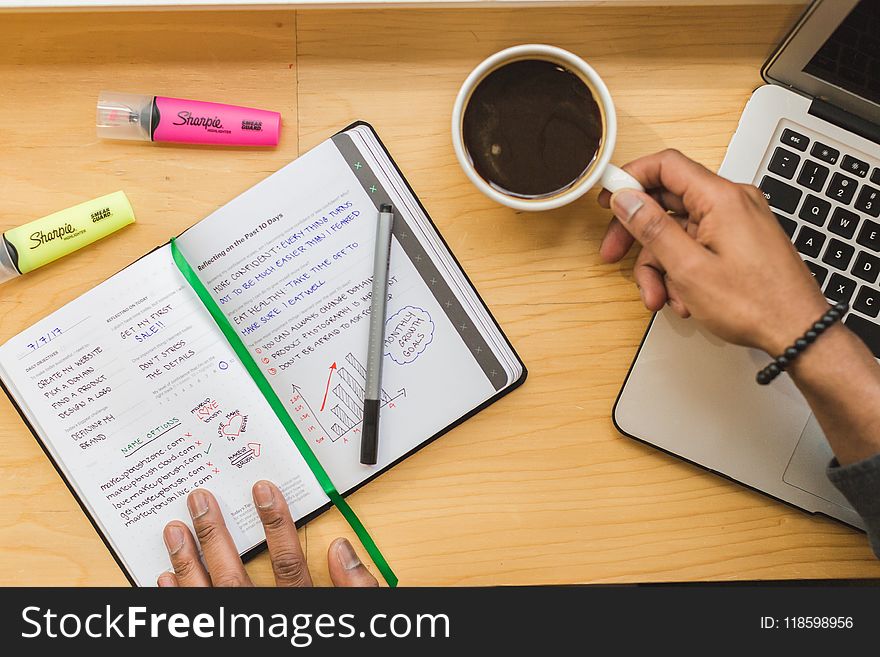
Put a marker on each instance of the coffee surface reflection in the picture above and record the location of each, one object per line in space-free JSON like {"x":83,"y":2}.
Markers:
{"x":532,"y":128}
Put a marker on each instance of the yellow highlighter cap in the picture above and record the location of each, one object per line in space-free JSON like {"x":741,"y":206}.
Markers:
{"x":40,"y":242}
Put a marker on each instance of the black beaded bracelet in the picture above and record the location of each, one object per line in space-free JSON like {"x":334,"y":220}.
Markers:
{"x":779,"y":364}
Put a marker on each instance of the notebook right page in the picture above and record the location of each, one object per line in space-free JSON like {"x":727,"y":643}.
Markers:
{"x":290,"y":263}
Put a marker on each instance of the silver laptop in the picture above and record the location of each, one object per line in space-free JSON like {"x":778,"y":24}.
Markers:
{"x":810,"y":139}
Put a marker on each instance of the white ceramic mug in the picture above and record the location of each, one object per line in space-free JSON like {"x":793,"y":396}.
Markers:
{"x":601,"y":171}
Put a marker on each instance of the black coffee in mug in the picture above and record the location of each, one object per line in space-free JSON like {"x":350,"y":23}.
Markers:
{"x":532,"y":128}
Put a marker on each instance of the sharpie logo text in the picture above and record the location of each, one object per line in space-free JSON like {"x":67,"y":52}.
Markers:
{"x":41,"y":237}
{"x":186,"y":118}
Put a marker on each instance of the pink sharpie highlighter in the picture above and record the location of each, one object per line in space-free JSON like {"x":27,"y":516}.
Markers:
{"x":158,"y":118}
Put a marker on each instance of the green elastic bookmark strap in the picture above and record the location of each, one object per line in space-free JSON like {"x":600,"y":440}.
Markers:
{"x":278,"y":407}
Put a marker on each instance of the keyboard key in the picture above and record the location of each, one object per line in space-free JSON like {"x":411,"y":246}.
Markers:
{"x":780,"y":195}
{"x":875,"y":176}
{"x":813,"y":175}
{"x":867,"y":267}
{"x":868,"y":201}
{"x":809,"y":242}
{"x":867,"y":301}
{"x":843,"y":223}
{"x":854,"y":166}
{"x":840,"y":288}
{"x":784,"y":163}
{"x":818,"y":271}
{"x":788,"y":225}
{"x":838,"y":254}
{"x":870,"y":235}
{"x":815,"y":210}
{"x":825,"y":153}
{"x":867,"y":330}
{"x":841,"y":188}
{"x":794,"y":139}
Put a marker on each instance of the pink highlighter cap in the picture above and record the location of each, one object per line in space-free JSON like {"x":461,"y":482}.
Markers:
{"x":158,"y":118}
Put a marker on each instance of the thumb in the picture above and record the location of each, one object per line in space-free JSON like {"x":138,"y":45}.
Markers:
{"x":346,"y":568}
{"x":652,"y":226}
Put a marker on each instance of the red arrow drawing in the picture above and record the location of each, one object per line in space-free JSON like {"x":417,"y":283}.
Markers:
{"x":327,"y":389}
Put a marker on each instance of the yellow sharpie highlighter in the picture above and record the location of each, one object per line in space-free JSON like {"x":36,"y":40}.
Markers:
{"x":39,"y":242}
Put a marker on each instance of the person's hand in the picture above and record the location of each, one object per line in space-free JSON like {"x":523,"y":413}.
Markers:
{"x":714,"y":250}
{"x":224,"y":566}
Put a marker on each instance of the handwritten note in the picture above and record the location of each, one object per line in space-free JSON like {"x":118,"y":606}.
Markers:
{"x":298,"y":291}
{"x":135,"y":404}
{"x":139,"y":399}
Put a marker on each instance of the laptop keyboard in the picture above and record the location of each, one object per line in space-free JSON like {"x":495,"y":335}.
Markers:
{"x":827,"y":199}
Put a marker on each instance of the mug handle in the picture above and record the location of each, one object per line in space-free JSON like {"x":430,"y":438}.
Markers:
{"x":614,"y":179}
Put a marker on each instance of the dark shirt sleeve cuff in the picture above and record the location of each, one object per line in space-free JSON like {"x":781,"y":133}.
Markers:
{"x":860,"y":484}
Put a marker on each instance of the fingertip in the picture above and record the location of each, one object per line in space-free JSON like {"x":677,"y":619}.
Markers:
{"x":199,"y":502}
{"x":626,"y":202}
{"x":167,"y":580}
{"x":188,"y":569}
{"x":608,"y":252}
{"x":604,"y":199}
{"x":346,"y":567}
{"x":616,"y":242}
{"x":654,"y":300}
{"x":342,"y":550}
{"x":649,"y":280}
{"x":264,"y":493}
{"x":653,"y":295}
{"x":200,"y":492}
{"x":174,"y":535}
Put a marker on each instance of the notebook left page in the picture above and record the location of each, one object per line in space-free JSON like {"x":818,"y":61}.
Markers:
{"x":139,"y":399}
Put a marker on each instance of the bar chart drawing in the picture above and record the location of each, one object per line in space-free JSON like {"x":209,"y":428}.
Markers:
{"x":347,"y":400}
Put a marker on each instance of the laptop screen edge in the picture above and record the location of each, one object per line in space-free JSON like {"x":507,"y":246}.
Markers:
{"x":786,"y":65}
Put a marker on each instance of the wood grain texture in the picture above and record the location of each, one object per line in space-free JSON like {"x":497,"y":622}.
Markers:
{"x":539,"y":488}
{"x":157,"y":5}
{"x":52,"y":68}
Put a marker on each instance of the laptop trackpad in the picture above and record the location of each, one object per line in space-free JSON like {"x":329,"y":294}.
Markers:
{"x":806,"y":468}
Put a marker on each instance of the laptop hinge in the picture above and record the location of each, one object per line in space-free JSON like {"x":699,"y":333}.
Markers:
{"x":845,"y":120}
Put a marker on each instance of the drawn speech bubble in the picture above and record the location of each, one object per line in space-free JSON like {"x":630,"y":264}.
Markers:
{"x":408,"y":332}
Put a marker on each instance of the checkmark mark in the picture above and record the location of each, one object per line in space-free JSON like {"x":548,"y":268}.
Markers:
{"x":209,"y":448}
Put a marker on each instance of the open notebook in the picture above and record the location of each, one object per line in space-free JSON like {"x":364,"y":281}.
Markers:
{"x":137,"y":398}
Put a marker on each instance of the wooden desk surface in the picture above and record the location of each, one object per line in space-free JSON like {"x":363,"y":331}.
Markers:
{"x":539,"y":488}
